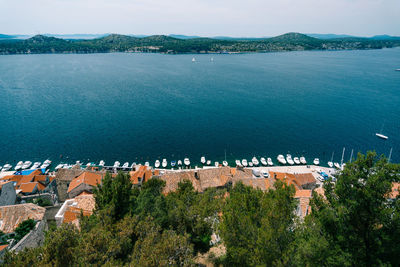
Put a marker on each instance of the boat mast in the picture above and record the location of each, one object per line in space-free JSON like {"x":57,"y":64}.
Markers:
{"x":225,"y":154}
{"x":390,"y":154}
{"x":351,"y":157}
{"x":333,"y":153}
{"x":341,"y":162}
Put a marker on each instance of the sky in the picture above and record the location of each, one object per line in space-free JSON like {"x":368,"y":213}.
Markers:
{"x":245,"y":18}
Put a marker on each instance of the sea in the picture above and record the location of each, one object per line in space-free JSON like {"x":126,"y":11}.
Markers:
{"x":137,"y":107}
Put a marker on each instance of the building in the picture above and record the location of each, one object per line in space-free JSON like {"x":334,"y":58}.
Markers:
{"x":72,"y":209}
{"x":11,"y":216}
{"x":84,"y":183}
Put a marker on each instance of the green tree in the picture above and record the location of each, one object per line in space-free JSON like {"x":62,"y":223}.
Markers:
{"x":115,"y":194}
{"x":357,"y":215}
{"x":24,"y":228}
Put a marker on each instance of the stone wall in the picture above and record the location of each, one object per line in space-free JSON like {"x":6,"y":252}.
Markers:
{"x":33,"y":239}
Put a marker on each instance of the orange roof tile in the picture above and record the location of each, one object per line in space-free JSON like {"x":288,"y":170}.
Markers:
{"x":88,"y":178}
{"x":157,"y":172}
{"x":28,"y":187}
{"x":14,"y":178}
{"x":38,"y":178}
{"x":395,"y":190}
{"x":41,"y":187}
{"x":85,"y":193}
{"x":3,"y":247}
{"x":303,"y":194}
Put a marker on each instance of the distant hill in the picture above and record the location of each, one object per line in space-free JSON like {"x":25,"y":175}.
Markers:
{"x":5,"y":36}
{"x":172,"y":44}
{"x":328,"y":36}
{"x":385,"y":37}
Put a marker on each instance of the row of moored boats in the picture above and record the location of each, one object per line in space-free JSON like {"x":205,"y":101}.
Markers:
{"x":25,"y":165}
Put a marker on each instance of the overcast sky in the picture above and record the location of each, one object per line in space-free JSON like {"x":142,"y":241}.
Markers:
{"x":201,"y":17}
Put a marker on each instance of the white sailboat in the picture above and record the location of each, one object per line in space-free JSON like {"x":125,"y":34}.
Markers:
{"x":225,"y":163}
{"x":330,"y":163}
{"x":270,"y":163}
{"x":179,"y":162}
{"x":380,"y":135}
{"x":102,"y":163}
{"x":337,"y":165}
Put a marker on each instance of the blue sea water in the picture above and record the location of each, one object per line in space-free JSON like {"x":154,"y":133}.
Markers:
{"x":139,"y":107}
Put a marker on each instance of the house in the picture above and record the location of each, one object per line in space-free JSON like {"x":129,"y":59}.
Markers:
{"x":303,"y":208}
{"x":63,"y":178}
{"x":84,"y":183}
{"x":72,"y":209}
{"x":11,"y":216}
{"x":141,"y":175}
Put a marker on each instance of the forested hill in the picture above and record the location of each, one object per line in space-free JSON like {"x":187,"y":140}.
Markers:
{"x":166,"y":44}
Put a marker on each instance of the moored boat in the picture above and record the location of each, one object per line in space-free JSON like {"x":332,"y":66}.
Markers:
{"x":186,"y":161}
{"x":281,"y":159}
{"x":251,"y":164}
{"x":244,"y":162}
{"x":46,"y":164}
{"x":125,"y":165}
{"x":36,"y":165}
{"x":147,"y":164}
{"x":263,"y":162}
{"x":255,"y":161}
{"x":296,"y":160}
{"x":179,"y":162}
{"x":382,"y":136}
{"x":164,"y":163}
{"x":59,"y":166}
{"x":316,"y":161}
{"x":216,"y":164}
{"x":203,"y":160}
{"x":337,"y":165}
{"x":173,"y":163}
{"x":237,"y":162}
{"x":102,"y":163}
{"x":330,"y":164}
{"x":289,"y":159}
{"x":270,"y":163}
{"x":7,"y":167}
{"x":225,"y":163}
{"x":26,"y":164}
{"x":116,"y":164}
{"x":208,"y":162}
{"x":303,"y":160}
{"x":157,"y":164}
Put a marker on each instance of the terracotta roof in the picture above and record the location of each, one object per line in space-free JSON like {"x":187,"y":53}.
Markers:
{"x":89,"y":178}
{"x":38,"y":178}
{"x":303,"y":194}
{"x":41,"y":186}
{"x":85,"y":193}
{"x":304,"y":178}
{"x":14,"y":178}
{"x":141,"y":173}
{"x":157,"y":172}
{"x":320,"y":191}
{"x":29,"y":178}
{"x":28,"y":187}
{"x":82,"y":203}
{"x":12,"y":216}
{"x":3,"y":247}
{"x":395,"y":190}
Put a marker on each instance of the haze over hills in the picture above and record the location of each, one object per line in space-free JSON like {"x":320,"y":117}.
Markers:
{"x":169,"y":44}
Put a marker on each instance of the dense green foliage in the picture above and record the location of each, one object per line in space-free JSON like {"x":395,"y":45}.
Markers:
{"x":356,"y":223}
{"x":166,"y":44}
{"x":24,"y":228}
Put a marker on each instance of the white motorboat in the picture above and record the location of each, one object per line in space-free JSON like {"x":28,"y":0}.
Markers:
{"x":164,"y":163}
{"x":251,"y":164}
{"x":281,"y":159}
{"x":147,"y":164}
{"x":102,"y":163}
{"x":296,"y":160}
{"x":19,"y":165}
{"x":263,"y":162}
{"x":7,"y":167}
{"x":36,"y":165}
{"x":116,"y":164}
{"x":125,"y":165}
{"x":244,"y":162}
{"x":330,"y":164}
{"x":382,"y":136}
{"x":238,"y":162}
{"x":26,"y":164}
{"x":157,"y":164}
{"x":173,"y":163}
{"x":133,"y":165}
{"x":270,"y":163}
{"x":289,"y":159}
{"x":193,"y":60}
{"x":216,"y":164}
{"x":225,"y":163}
{"x":337,"y":165}
{"x":179,"y":162}
{"x":59,"y":166}
{"x":397,"y":69}
{"x":47,"y":163}
{"x":186,"y":161}
{"x":316,"y":161}
{"x":208,"y":162}
{"x":203,"y":160}
{"x":303,"y":160}
{"x":255,"y":161}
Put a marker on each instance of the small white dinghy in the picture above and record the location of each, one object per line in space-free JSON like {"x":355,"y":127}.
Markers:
{"x":263,"y":161}
{"x":270,"y":163}
{"x":225,"y":163}
{"x":303,"y":160}
{"x":296,"y":160}
{"x":316,"y":161}
{"x":244,"y":162}
{"x":203,"y":160}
